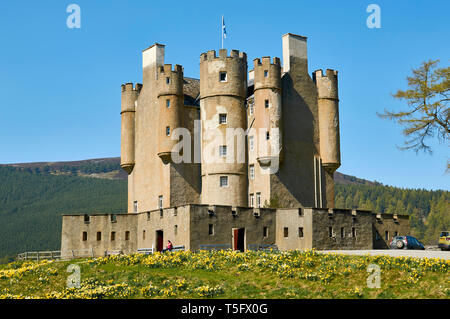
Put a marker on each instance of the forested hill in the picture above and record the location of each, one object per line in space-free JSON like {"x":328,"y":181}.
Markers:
{"x":33,"y":196}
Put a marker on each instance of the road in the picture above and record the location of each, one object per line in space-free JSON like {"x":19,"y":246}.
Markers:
{"x":394,"y":253}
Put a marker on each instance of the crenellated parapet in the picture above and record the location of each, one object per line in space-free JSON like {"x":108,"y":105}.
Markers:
{"x":170,"y":81}
{"x":327,"y":85}
{"x":223,"y":74}
{"x":267,"y":75}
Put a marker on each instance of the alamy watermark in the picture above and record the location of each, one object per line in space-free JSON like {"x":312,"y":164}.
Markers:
{"x":374,"y":19}
{"x":74,"y":279}
{"x":74,"y":19}
{"x":374,"y":279}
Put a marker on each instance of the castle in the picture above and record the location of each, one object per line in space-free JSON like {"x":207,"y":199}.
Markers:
{"x":238,"y":159}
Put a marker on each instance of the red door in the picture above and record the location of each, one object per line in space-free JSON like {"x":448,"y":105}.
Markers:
{"x":235,"y":238}
{"x":159,"y":240}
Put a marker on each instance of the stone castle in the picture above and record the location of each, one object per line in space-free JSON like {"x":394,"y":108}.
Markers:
{"x":238,"y":159}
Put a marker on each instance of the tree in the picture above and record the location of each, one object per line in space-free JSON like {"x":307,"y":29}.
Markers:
{"x":428,"y":113}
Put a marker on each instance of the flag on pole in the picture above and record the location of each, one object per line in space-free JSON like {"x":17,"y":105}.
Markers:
{"x":224,"y":29}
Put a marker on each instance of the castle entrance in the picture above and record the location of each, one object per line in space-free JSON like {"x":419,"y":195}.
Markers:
{"x":238,"y":239}
{"x":159,"y":240}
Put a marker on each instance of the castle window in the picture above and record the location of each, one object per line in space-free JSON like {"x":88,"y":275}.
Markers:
{"x":211,"y":229}
{"x":266,"y":73}
{"x":222,"y":76}
{"x":266,"y":232}
{"x":84,"y":235}
{"x":167,"y":80}
{"x":175,"y":229}
{"x":143,"y":235}
{"x":252,"y":200}
{"x":222,"y":118}
{"x":223,"y":181}
{"x":99,"y":236}
{"x":330,"y":232}
{"x":86,"y":218}
{"x":252,"y":171}
{"x":127,"y":235}
{"x":113,"y":236}
{"x":300,"y":232}
{"x":267,"y":135}
{"x":168,"y":103}
{"x":167,"y":130}
{"x":386,"y":235}
{"x":266,"y":104}
{"x":286,"y":231}
{"x":160,"y":201}
{"x":354,"y":232}
{"x":135,"y":206}
{"x":251,"y":108}
{"x":342,"y":232}
{"x":250,"y":142}
{"x":258,"y":200}
{"x":223,"y":150}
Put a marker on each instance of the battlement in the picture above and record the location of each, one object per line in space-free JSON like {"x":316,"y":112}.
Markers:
{"x":129,"y":87}
{"x":327,"y":85}
{"x":329,"y":73}
{"x":234,"y":54}
{"x":265,"y":62}
{"x":167,"y":69}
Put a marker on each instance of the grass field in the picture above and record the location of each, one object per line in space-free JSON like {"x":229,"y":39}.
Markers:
{"x":227,"y":274}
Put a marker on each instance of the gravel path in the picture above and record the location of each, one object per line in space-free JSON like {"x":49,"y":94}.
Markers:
{"x":394,"y":253}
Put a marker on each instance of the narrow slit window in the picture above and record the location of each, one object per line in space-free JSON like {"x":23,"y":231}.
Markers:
{"x":354,"y":232}
{"x":84,"y":235}
{"x":127,"y":235}
{"x":300,"y":232}
{"x":223,"y":150}
{"x":258,"y":200}
{"x":168,"y":130}
{"x":342,"y":232}
{"x":286,"y":231}
{"x":266,"y":232}
{"x":167,"y":80}
{"x":267,"y":135}
{"x":211,"y":229}
{"x":330,"y":232}
{"x":160,"y":201}
{"x":266,"y":104}
{"x":168,"y":103}
{"x":113,"y":236}
{"x":99,"y":236}
{"x":252,"y":200}
{"x":175,"y":229}
{"x":266,"y":73}
{"x":252,"y":171}
{"x":143,"y":235}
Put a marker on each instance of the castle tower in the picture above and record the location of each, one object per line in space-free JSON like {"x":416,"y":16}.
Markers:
{"x":170,"y":104}
{"x":223,"y":90}
{"x":328,"y":104}
{"x":128,"y":108}
{"x":328,"y":110}
{"x":265,"y":133}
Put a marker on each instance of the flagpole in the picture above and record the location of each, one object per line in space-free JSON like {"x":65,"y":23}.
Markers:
{"x":222,"y":31}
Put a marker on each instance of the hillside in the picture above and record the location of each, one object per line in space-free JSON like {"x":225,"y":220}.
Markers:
{"x":34,"y":195}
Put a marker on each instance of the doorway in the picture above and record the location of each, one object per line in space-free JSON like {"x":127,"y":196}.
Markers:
{"x":239,"y":239}
{"x":159,"y":240}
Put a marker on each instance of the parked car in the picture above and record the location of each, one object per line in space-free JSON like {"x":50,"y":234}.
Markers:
{"x":444,"y":240}
{"x":405,"y":242}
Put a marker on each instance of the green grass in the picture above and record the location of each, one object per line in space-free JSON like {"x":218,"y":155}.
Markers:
{"x":227,"y":274}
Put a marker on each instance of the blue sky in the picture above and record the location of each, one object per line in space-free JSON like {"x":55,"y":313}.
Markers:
{"x":60,"y":87}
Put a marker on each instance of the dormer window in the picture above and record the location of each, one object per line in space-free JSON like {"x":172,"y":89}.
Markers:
{"x":222,"y":76}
